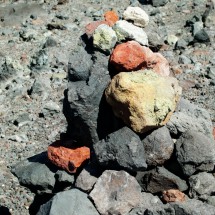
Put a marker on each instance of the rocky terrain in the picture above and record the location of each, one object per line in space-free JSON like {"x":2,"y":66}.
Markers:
{"x":104,"y":111}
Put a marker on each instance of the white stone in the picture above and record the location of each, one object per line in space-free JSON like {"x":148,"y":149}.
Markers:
{"x":125,"y":30}
{"x":137,"y":15}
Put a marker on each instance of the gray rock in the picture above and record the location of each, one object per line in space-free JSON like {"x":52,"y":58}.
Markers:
{"x":36,"y":173}
{"x":202,"y":185}
{"x":211,"y":200}
{"x":195,"y":152}
{"x":181,"y":44}
{"x":211,"y":73}
{"x":39,"y":60}
{"x":197,"y":26}
{"x":160,"y":179}
{"x":184,"y":60}
{"x":51,"y":109}
{"x":116,"y":192}
{"x":64,"y":178}
{"x":50,"y":42}
{"x":189,"y":116}
{"x":68,"y":202}
{"x":158,"y":3}
{"x":87,"y":178}
{"x":192,"y":207}
{"x":202,"y":36}
{"x":22,"y":119}
{"x":7,"y":69}
{"x":160,"y":210}
{"x":158,"y":146}
{"x":89,"y":117}
{"x":79,"y":65}
{"x":121,"y":149}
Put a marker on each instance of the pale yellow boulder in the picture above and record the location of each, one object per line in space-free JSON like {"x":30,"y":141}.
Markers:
{"x":143,"y":99}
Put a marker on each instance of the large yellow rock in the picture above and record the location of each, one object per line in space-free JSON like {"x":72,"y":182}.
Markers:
{"x":143,"y":99}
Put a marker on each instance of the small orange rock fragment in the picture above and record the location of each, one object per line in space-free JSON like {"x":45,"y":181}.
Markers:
{"x":111,"y":17}
{"x":173,"y":195}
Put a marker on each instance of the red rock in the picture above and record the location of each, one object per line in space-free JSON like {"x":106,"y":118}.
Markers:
{"x":173,"y":195}
{"x":214,"y":133}
{"x":128,"y":56}
{"x":111,"y":17}
{"x":91,"y":27}
{"x":131,"y":56}
{"x":68,"y":159}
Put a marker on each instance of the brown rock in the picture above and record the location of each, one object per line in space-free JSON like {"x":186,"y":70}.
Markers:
{"x":173,"y":195}
{"x":143,"y":100}
{"x":91,"y":27}
{"x":111,"y":17}
{"x":68,"y":159}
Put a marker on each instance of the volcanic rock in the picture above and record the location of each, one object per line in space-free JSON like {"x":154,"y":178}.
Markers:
{"x":125,"y":30}
{"x":158,"y":3}
{"x":158,"y":146}
{"x":173,"y":196}
{"x":121,"y":149}
{"x":104,"y":38}
{"x":69,"y":202}
{"x":118,"y":191}
{"x":143,"y":99}
{"x":68,"y":158}
{"x":111,"y":17}
{"x":202,"y":185}
{"x":91,"y":27}
{"x":159,"y":180}
{"x":137,"y":15}
{"x":195,"y":152}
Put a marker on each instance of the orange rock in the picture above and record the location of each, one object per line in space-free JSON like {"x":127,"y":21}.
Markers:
{"x":128,"y":56}
{"x":68,"y":159}
{"x":91,"y":27}
{"x":131,"y":56}
{"x":173,"y":195}
{"x":111,"y":17}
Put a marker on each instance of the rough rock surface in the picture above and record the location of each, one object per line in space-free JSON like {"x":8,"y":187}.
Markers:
{"x":194,"y":156}
{"x":119,"y":192}
{"x":158,"y":146}
{"x":69,"y":159}
{"x":125,"y":30}
{"x":121,"y":149}
{"x":111,"y":17}
{"x":128,"y":94}
{"x":159,"y":180}
{"x":173,"y":196}
{"x":104,"y":38}
{"x":137,"y":15}
{"x":69,"y":202}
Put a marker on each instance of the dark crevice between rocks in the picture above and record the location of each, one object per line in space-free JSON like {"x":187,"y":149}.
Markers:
{"x":4,"y":210}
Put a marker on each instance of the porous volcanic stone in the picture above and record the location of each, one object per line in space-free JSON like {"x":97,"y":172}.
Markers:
{"x":69,"y":202}
{"x":195,"y":152}
{"x":68,"y":159}
{"x":159,"y":180}
{"x":121,"y":149}
{"x":111,"y":17}
{"x":137,"y":15}
{"x":116,"y":192}
{"x":143,"y":99}
{"x":125,"y":30}
{"x":104,"y":38}
{"x":158,"y":146}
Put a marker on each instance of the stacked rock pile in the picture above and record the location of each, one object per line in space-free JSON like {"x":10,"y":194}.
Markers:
{"x":135,"y":146}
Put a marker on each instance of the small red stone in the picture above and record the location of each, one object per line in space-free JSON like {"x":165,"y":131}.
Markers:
{"x":68,"y":159}
{"x":173,"y":195}
{"x":131,"y":56}
{"x":111,"y":17}
{"x":128,"y":56}
{"x":91,"y":27}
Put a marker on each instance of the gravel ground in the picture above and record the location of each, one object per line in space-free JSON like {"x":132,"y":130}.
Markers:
{"x":31,"y":96}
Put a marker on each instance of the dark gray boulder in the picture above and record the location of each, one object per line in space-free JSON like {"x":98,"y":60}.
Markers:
{"x":7,"y":69}
{"x":37,"y":173}
{"x":160,"y":179}
{"x":69,"y":202}
{"x":158,"y":3}
{"x":89,"y":116}
{"x":158,"y":146}
{"x":122,"y":149}
{"x":79,"y":65}
{"x":189,"y":116}
{"x":195,"y":152}
{"x":202,"y":185}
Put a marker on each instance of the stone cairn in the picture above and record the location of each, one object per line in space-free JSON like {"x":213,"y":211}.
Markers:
{"x":136,"y":146}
